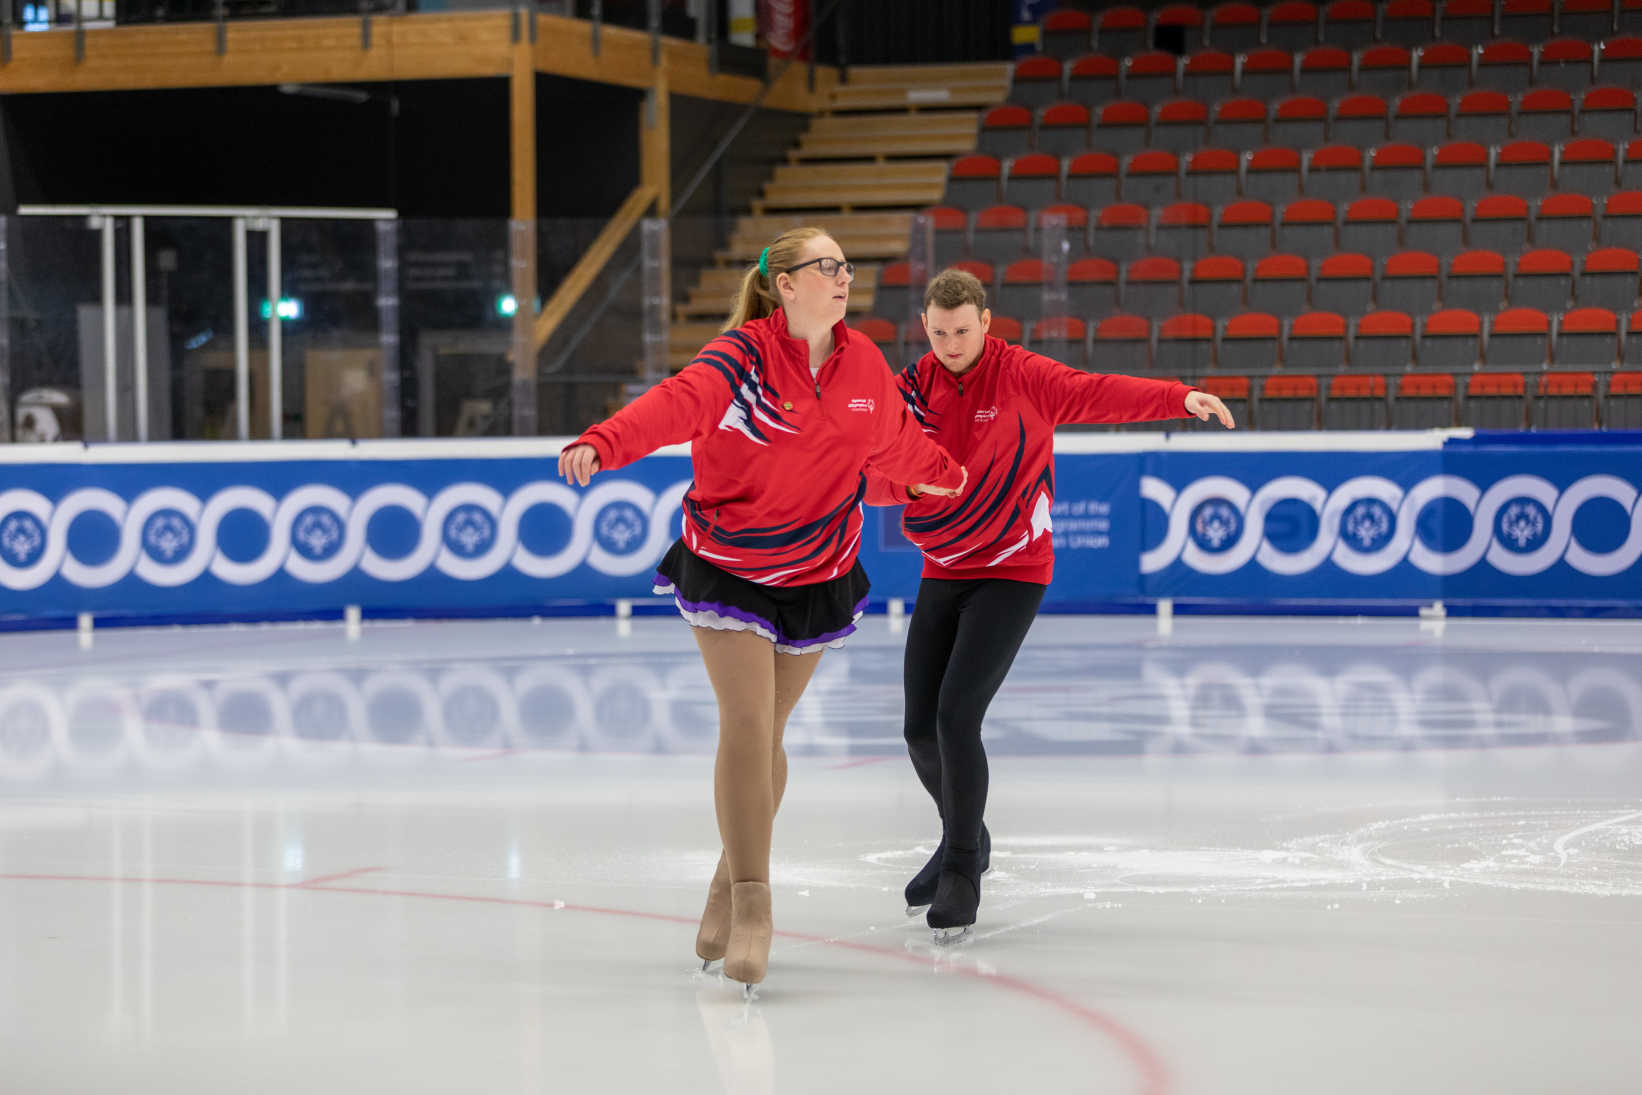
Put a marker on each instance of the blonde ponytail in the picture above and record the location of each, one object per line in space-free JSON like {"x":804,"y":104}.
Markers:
{"x":757,"y":297}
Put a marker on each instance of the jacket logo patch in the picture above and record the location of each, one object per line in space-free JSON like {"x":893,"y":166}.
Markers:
{"x":987,"y":415}
{"x":865,"y":406}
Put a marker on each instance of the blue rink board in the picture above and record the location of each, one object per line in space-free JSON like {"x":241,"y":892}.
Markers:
{"x":1490,"y":523}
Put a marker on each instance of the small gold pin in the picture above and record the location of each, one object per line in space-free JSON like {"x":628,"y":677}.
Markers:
{"x":787,"y":406}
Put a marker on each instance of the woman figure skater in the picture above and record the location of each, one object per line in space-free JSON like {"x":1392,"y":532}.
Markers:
{"x":784,"y":411}
{"x":988,"y":556}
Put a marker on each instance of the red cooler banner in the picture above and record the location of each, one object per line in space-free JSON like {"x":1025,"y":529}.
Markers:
{"x":784,"y":24}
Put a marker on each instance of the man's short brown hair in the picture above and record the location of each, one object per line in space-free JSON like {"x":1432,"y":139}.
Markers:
{"x":953,"y":288}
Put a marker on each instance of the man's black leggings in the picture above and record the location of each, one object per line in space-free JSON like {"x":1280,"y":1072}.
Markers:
{"x":960,"y":644}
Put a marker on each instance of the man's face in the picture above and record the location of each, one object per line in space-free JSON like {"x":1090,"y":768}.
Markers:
{"x":957,"y":335}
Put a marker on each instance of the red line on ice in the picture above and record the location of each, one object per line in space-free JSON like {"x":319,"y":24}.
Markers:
{"x":1154,"y":1076}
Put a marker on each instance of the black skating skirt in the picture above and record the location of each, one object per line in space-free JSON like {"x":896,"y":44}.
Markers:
{"x":797,"y":619}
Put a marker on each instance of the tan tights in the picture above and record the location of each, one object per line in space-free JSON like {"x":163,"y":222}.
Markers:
{"x":757,"y":689}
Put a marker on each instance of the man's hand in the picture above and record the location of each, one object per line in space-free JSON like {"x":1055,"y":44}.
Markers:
{"x":1202,"y":404}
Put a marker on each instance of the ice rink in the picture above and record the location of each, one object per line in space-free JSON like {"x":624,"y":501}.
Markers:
{"x":1257,"y":855}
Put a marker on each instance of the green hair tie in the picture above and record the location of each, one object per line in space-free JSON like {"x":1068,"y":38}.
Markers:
{"x":764,"y":262}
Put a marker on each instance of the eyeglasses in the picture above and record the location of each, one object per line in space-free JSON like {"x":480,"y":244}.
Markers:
{"x":828,"y":267}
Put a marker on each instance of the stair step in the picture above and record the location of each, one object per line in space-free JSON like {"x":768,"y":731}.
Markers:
{"x":865,"y":194}
{"x":888,"y":147}
{"x":918,"y":98}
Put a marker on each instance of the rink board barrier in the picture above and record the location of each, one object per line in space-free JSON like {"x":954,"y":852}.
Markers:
{"x":1513,"y":523}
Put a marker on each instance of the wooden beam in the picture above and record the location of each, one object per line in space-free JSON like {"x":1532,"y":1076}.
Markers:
{"x":522,"y":234}
{"x":274,"y":51}
{"x":413,"y":46}
{"x":522,"y":143}
{"x":655,"y":140}
{"x":593,"y":260}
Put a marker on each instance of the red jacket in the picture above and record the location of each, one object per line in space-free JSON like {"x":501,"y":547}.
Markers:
{"x":998,"y":420}
{"x":778,"y":452}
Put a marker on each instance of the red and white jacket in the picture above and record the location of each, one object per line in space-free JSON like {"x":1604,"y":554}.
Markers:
{"x":778,"y":452}
{"x":998,"y":420}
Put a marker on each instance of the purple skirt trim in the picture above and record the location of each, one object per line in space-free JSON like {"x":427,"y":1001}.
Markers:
{"x":664,"y":585}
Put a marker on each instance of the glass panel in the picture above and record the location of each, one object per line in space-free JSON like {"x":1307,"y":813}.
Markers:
{"x":54,"y":327}
{"x":331,"y":328}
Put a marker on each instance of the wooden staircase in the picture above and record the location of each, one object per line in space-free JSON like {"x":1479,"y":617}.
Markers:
{"x":879,"y":153}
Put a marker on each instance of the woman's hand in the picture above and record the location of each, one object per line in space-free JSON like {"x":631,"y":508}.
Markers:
{"x":1202,"y":404}
{"x":944,"y":492}
{"x":577,"y":463}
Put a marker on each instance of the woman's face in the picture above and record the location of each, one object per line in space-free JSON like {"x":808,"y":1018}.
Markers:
{"x":808,"y":293}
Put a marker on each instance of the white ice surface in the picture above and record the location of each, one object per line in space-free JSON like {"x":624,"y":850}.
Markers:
{"x":1259,"y":856}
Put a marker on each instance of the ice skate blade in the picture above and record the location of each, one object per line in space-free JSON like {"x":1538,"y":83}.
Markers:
{"x":708,"y":963}
{"x":749,"y":993}
{"x":945,"y":937}
{"x":916,"y":910}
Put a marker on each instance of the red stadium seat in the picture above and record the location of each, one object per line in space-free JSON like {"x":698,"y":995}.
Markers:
{"x":1179,"y":125}
{"x":1324,"y":71}
{"x":1243,"y":228}
{"x":1091,"y":287}
{"x":1586,"y":19}
{"x":1120,"y":232}
{"x":1335,"y":172}
{"x":1565,"y":221}
{"x":1504,"y":65}
{"x":1266,"y":74}
{"x":1150,"y":77}
{"x":1499,"y":223}
{"x":1438,"y":222}
{"x":1525,"y":20}
{"x":1306,"y":227}
{"x":1476,"y":281}
{"x":1036,"y":82}
{"x":1120,"y":127}
{"x":1234,"y":26}
{"x":1251,"y":342}
{"x":1482,"y":116}
{"x":974,"y":181}
{"x":1409,"y":22}
{"x":1316,"y":342}
{"x":1288,"y":403}
{"x":1208,"y":74}
{"x":1621,"y":224}
{"x":1238,"y":123}
{"x":1409,"y":282}
{"x":1123,"y":344}
{"x":1121,"y":31}
{"x":1182,"y":229}
{"x":1215,"y":285}
{"x":1371,"y":225}
{"x":1467,"y":23}
{"x":1345,"y":284}
{"x":1420,"y":118}
{"x":1281,"y":285}
{"x":1348,"y":22}
{"x":1300,"y":121}
{"x":1185,"y":345}
{"x":1211,"y":176}
{"x":1066,"y":33}
{"x":1291,"y":24}
{"x":1385,"y":70}
{"x":1359,"y":120}
{"x":1382,"y":342}
{"x":1519,"y":338}
{"x":1442,"y":66}
{"x":1542,"y":279}
{"x":1092,"y":79}
{"x":1566,"y":63}
{"x":1272,"y":174}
